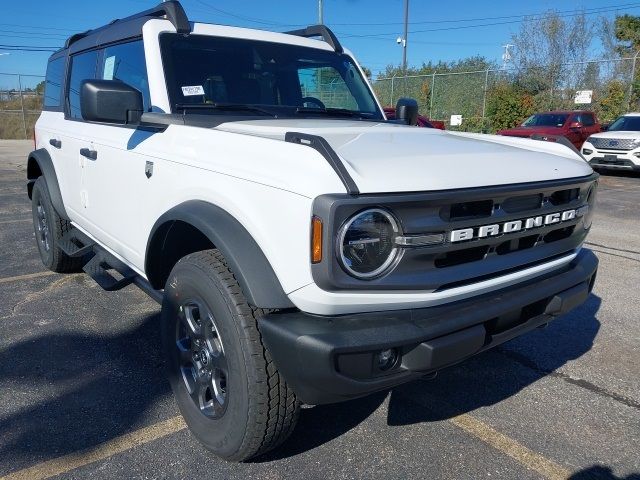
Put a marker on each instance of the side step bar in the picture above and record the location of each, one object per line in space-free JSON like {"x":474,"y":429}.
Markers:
{"x":104,"y":268}
{"x":76,"y":244}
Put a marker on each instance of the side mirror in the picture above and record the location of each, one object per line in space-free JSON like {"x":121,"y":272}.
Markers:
{"x":407,"y":111}
{"x":575,"y":125}
{"x":110,"y":101}
{"x":604,"y":127}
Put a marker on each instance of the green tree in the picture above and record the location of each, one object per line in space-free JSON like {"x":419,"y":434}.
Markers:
{"x":627,"y":31}
{"x":508,"y":105}
{"x":40,"y":88}
{"x":612,"y":104}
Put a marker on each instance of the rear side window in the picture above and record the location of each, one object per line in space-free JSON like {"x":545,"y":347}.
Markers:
{"x":83,"y":67}
{"x":53,"y":83}
{"x":126,"y":62}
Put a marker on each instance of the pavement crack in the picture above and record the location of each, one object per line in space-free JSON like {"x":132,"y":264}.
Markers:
{"x":35,"y":295}
{"x":579,"y":382}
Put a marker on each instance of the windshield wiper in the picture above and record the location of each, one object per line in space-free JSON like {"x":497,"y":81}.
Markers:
{"x":231,"y":107}
{"x":331,"y":112}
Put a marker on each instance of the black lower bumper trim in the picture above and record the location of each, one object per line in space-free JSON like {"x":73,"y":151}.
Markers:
{"x":331,"y":359}
{"x":601,"y":162}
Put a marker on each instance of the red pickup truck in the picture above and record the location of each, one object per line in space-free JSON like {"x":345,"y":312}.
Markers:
{"x":574,"y":125}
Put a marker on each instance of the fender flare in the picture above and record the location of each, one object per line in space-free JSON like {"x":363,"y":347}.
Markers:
{"x":243,"y":255}
{"x":42,"y":159}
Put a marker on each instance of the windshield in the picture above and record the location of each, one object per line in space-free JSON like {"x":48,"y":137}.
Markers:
{"x":629,"y":124}
{"x":546,"y":120}
{"x":283,"y":79}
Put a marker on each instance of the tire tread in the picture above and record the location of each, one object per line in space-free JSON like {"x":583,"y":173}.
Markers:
{"x":273,"y":404}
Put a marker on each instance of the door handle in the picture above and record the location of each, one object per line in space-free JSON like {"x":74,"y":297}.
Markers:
{"x":55,"y":143}
{"x":88,"y":153}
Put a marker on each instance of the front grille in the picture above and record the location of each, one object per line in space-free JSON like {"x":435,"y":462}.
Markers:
{"x":468,"y":260}
{"x":613,"y":143}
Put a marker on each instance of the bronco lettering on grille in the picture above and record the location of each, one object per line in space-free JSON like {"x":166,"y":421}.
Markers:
{"x":516,"y":225}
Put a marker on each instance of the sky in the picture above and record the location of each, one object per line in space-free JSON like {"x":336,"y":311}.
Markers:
{"x":438,"y":30}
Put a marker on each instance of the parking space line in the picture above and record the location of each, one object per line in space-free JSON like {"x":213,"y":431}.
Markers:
{"x":507,"y":445}
{"x":66,"y":463}
{"x":17,"y":278}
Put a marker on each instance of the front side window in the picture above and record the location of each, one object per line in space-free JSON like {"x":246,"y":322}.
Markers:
{"x":286,"y":79}
{"x":83,"y":67}
{"x":126,"y":62}
{"x":53,"y":83}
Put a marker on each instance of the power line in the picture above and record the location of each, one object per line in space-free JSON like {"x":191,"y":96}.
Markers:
{"x":35,"y":27}
{"x":478,"y":25}
{"x":481,"y":19}
{"x":28,"y":48}
{"x":37,"y":33}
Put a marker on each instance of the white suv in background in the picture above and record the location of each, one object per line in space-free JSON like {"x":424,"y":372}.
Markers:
{"x":618,"y":148}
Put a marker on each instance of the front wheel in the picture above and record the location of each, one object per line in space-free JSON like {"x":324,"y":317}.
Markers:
{"x":230,"y":393}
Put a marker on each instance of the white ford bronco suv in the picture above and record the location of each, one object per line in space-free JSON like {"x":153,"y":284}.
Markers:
{"x":304,"y":248}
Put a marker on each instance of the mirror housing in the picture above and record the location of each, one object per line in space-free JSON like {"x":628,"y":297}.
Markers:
{"x":110,"y":101}
{"x":604,"y":127}
{"x":575,"y":125}
{"x":407,"y":111}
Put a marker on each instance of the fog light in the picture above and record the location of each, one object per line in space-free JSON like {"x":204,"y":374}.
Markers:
{"x":587,"y":151}
{"x":387,"y":358}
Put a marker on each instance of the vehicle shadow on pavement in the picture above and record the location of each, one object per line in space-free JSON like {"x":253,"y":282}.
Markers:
{"x":497,"y":374}
{"x":483,"y":380}
{"x":72,"y":391}
{"x":599,"y":472}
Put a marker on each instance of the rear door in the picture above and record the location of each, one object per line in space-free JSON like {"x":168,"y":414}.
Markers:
{"x":49,"y":131}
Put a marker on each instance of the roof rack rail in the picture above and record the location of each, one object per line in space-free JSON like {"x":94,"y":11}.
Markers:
{"x":172,"y":9}
{"x":319,"y":31}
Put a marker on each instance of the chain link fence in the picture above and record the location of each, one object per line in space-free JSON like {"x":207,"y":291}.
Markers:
{"x":472,"y":93}
{"x":20,"y":104}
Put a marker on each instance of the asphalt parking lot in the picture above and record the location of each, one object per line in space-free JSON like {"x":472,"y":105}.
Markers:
{"x":82,"y":393}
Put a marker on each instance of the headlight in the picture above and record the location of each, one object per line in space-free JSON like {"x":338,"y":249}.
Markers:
{"x":366,"y":243}
{"x":587,"y":151}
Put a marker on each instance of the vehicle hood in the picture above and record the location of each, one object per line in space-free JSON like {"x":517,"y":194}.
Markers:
{"x":526,"y":131}
{"x":617,"y":134}
{"x":383,"y":157}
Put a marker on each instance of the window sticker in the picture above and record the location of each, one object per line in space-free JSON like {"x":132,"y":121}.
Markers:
{"x":192,"y":90}
{"x":109,"y":65}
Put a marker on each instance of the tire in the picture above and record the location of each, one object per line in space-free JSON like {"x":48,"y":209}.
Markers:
{"x":240,"y":406}
{"x":49,"y":228}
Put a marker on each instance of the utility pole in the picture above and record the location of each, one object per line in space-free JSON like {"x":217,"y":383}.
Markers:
{"x":406,"y":33}
{"x":320,"y":15}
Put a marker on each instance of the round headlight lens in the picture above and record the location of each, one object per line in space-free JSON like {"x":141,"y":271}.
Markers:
{"x":366,"y":243}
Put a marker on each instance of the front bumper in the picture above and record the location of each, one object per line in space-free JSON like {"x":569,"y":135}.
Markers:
{"x":612,"y":159}
{"x":331,"y":359}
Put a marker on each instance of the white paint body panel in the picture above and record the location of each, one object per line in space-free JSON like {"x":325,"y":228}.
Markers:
{"x":268,"y":185}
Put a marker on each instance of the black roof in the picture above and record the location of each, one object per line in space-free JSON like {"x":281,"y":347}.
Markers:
{"x":131,"y":27}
